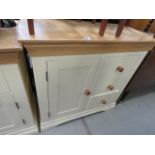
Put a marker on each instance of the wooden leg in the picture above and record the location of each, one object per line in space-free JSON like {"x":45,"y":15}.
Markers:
{"x":103,"y":27}
{"x":30,"y":26}
{"x":120,"y":27}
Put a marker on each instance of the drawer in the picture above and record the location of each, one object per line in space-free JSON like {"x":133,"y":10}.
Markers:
{"x":113,"y":67}
{"x":110,"y":84}
{"x":102,"y":100}
{"x":3,"y":82}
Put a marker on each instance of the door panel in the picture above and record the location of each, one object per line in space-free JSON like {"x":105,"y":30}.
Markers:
{"x":67,"y":81}
{"x":10,"y":118}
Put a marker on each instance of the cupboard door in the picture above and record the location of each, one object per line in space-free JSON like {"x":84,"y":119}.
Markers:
{"x":67,"y":81}
{"x":10,"y":118}
{"x":18,"y":88}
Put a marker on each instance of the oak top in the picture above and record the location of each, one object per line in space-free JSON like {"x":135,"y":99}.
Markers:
{"x":8,"y":40}
{"x":65,"y":32}
{"x":70,"y":32}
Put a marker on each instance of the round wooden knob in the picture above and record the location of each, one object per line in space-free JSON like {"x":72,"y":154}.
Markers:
{"x":103,"y":101}
{"x":87,"y":92}
{"x":110,"y":87}
{"x":120,"y":69}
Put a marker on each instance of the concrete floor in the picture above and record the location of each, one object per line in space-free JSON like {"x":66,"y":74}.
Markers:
{"x":135,"y":115}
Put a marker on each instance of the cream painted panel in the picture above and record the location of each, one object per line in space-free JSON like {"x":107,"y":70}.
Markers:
{"x":68,"y":79}
{"x":17,"y":90}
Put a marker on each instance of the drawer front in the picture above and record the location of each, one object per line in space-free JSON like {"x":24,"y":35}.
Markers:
{"x":117,"y":66}
{"x":3,"y":82}
{"x":114,"y":72}
{"x":102,"y":100}
{"x":110,"y":85}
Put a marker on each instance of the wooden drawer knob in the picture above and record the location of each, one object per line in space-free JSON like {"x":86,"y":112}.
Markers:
{"x":103,"y":101}
{"x":120,"y":69}
{"x":110,"y":87}
{"x":87,"y":92}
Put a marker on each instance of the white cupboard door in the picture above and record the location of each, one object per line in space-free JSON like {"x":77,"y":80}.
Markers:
{"x":10,"y":118}
{"x":17,"y":89}
{"x":68,"y":79}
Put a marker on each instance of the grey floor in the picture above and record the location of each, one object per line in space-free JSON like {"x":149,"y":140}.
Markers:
{"x":135,"y":115}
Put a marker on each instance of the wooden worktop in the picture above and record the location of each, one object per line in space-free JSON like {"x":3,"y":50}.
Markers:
{"x":10,"y":48}
{"x":69,"y":33}
{"x":8,"y":40}
{"x":74,"y":32}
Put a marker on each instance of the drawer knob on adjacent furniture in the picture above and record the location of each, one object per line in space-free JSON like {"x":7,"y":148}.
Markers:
{"x":103,"y":101}
{"x":87,"y":92}
{"x":110,"y":87}
{"x":120,"y":69}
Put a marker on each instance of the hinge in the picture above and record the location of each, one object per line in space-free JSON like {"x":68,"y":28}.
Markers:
{"x":49,"y":114}
{"x":17,"y":105}
{"x":46,"y":76}
{"x":24,"y":122}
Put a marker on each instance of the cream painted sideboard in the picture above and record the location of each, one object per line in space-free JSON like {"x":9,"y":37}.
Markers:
{"x":16,"y":102}
{"x":17,"y":111}
{"x":69,"y":87}
{"x":77,"y":72}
